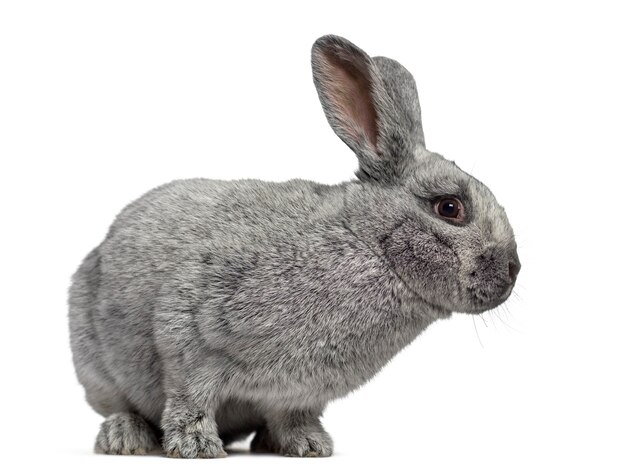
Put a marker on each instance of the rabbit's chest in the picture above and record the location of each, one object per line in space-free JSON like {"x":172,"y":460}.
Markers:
{"x":324,"y":339}
{"x":324,"y":362}
{"x":313,"y":319}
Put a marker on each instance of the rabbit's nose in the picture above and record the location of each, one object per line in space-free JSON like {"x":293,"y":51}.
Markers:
{"x":514,"y":267}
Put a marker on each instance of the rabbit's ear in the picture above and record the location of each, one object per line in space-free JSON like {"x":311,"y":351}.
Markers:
{"x":372,"y":106}
{"x":401,"y":88}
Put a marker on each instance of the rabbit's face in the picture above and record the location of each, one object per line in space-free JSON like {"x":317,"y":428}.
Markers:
{"x":451,"y":242}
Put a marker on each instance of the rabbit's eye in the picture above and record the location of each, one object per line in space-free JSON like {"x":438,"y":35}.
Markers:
{"x":450,"y":208}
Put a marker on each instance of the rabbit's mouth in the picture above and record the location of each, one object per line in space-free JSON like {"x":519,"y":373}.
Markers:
{"x":491,"y":279}
{"x":485,"y":298}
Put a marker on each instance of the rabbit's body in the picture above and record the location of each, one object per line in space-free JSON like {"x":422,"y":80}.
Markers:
{"x":215,"y":309}
{"x":267,"y":286}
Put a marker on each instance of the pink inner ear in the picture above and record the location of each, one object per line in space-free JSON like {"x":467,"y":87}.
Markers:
{"x":349,"y":90}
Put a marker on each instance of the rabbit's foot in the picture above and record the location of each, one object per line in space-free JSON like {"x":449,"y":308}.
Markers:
{"x":125,"y":434}
{"x":308,"y":444}
{"x":293,"y":434}
{"x":194,"y":445}
{"x":190,"y":432}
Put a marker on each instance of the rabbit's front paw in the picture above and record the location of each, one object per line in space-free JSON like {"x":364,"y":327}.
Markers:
{"x":297,"y":443}
{"x":125,"y":434}
{"x":294,"y":433}
{"x":193,"y":445}
{"x":307,"y":445}
{"x":302,"y":442}
{"x":190,"y":432}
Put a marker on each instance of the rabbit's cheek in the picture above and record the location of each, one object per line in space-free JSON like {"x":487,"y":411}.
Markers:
{"x":425,"y":262}
{"x":433,"y":259}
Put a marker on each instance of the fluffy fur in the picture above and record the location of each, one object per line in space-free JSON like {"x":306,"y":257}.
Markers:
{"x":216,"y":309}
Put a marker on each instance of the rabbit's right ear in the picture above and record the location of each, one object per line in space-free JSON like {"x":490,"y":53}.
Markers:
{"x":364,"y":110}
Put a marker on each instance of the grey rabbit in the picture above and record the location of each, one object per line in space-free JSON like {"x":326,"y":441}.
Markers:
{"x":217,"y":309}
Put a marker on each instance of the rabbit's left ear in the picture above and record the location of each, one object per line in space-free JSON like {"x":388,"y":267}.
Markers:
{"x":371,"y":104}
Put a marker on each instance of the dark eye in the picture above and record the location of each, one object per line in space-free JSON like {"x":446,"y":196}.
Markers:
{"x":450,"y":208}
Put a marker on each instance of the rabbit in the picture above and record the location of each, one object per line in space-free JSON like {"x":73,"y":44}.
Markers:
{"x":214,"y":310}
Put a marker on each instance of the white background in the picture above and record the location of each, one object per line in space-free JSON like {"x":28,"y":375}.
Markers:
{"x":100,"y":101}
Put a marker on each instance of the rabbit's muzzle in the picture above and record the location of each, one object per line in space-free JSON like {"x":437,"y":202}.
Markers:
{"x":493,"y":278}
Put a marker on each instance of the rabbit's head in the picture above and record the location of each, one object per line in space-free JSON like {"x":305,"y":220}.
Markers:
{"x":438,"y":228}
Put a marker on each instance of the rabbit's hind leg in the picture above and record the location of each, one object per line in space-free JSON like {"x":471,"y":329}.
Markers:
{"x":125,"y":434}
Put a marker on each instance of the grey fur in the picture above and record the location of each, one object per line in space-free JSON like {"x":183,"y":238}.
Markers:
{"x":217,"y":309}
{"x":125,"y":434}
